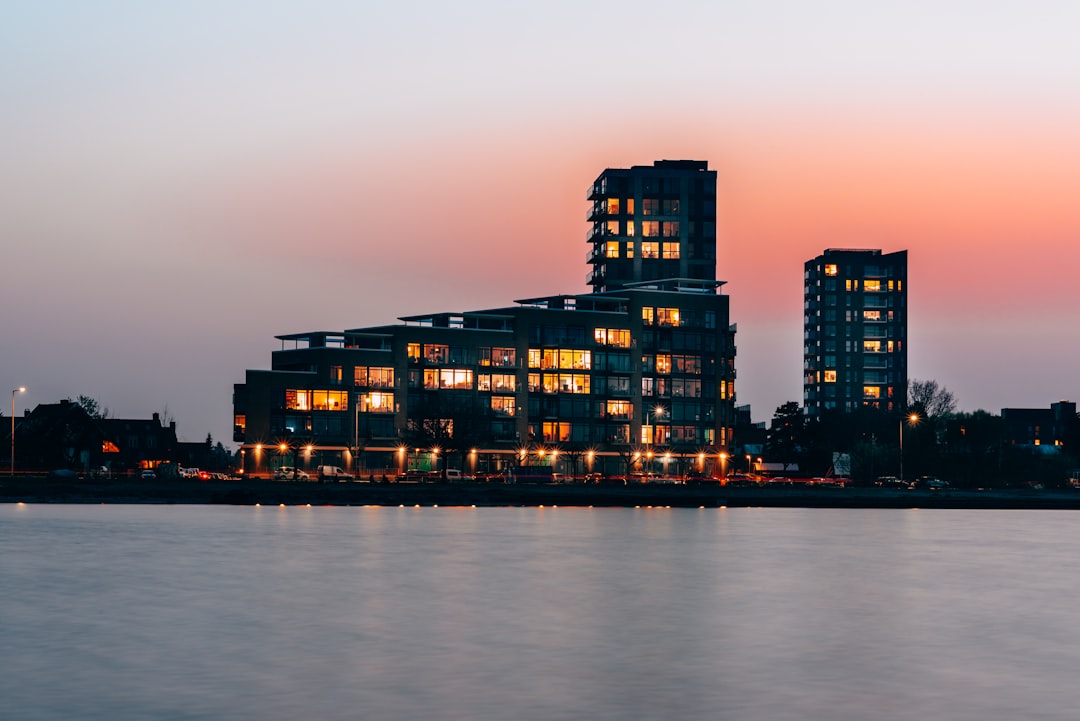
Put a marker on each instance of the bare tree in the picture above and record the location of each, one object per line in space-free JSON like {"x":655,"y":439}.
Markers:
{"x":930,"y":398}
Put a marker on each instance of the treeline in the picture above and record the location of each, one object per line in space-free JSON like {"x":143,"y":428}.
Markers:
{"x":966,"y":449}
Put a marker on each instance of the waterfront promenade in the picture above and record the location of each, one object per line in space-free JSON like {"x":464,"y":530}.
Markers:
{"x":251,"y":492}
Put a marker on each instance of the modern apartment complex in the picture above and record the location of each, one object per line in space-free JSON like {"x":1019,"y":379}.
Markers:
{"x":644,"y":365}
{"x":854,"y":331}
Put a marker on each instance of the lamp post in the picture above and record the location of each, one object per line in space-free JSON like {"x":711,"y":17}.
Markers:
{"x":912,"y":420}
{"x":20,"y":389}
{"x":723,"y":465}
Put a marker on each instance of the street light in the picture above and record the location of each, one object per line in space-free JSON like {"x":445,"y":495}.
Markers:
{"x":657,"y":414}
{"x":20,"y":389}
{"x":912,"y":420}
{"x":723,"y":464}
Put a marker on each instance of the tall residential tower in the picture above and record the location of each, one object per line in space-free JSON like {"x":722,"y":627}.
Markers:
{"x":854,"y":331}
{"x":651,"y":222}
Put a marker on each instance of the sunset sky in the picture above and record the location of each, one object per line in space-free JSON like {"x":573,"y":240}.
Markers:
{"x":180,"y":182}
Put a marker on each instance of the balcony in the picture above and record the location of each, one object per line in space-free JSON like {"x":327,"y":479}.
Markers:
{"x":596,"y":232}
{"x":596,"y":277}
{"x":597,"y":212}
{"x":595,"y":254}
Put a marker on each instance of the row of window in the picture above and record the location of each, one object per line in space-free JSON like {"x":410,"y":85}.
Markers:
{"x":649,"y":206}
{"x":649,"y":250}
{"x":648,"y":228}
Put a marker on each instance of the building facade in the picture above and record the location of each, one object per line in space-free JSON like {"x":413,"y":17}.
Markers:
{"x":854,"y":331}
{"x":601,"y":381}
{"x":650,"y":222}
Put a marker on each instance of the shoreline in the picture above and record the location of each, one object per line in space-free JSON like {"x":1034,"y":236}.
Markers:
{"x":292,"y":493}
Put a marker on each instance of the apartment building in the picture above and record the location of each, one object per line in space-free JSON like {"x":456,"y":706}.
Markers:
{"x":580,"y":382}
{"x":854,"y":331}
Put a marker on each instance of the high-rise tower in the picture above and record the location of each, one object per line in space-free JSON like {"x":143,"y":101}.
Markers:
{"x":855,"y":331}
{"x":652,"y":222}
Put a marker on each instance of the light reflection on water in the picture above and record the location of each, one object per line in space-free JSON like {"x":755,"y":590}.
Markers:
{"x":181,"y":612}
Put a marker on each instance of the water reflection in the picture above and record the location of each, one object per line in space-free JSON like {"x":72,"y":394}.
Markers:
{"x":521,"y":613}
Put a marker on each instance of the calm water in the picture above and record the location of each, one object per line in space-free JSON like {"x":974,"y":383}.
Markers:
{"x":178,"y":612}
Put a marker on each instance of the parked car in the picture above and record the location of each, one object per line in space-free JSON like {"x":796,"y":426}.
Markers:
{"x":288,"y":473}
{"x":413,"y":475}
{"x":330,"y":473}
{"x":147,"y":473}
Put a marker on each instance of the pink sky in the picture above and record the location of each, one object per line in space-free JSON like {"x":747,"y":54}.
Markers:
{"x":176,"y":192}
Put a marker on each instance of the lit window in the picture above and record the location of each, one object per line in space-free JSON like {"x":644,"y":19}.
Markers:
{"x":414,"y":352}
{"x":617,"y":337}
{"x":630,"y":206}
{"x":667,"y":316}
{"x":871,"y":392}
{"x":830,"y":269}
{"x":671,"y":251}
{"x":534,"y":382}
{"x":611,"y":227}
{"x":483,"y":382}
{"x":872,"y":346}
{"x":613,"y":206}
{"x":380,"y":377}
{"x":436,"y":353}
{"x":534,"y":357}
{"x":335,"y":375}
{"x":830,"y":376}
{"x":872,"y":286}
{"x":630,"y":229}
{"x":650,"y":228}
{"x":556,"y":432}
{"x":504,"y":382}
{"x":663,"y":363}
{"x":611,"y":249}
{"x":630,"y":248}
{"x":328,"y":400}
{"x":647,"y":315}
{"x":650,"y":206}
{"x":871,"y":315}
{"x":377,"y":402}
{"x":650,"y":249}
{"x":571,"y":359}
{"x":619,"y":409}
{"x":503,"y":405}
{"x":670,"y":229}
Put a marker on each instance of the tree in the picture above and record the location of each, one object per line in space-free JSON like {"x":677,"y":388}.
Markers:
{"x":927,"y":397}
{"x":785,"y":434}
{"x":91,"y":406}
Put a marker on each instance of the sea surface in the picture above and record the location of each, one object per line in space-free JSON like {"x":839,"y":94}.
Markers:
{"x":126,"y":612}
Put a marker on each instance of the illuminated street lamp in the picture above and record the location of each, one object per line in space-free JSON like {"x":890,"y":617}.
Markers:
{"x":723,"y":464}
{"x":20,"y":389}
{"x":911,"y":420}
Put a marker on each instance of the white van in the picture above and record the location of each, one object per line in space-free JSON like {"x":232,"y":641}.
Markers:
{"x":328,"y":473}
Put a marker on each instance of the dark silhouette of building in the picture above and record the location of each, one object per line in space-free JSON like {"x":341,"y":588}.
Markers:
{"x":854,"y":331}
{"x":64,"y":435}
{"x":644,"y":366}
{"x":1047,"y":428}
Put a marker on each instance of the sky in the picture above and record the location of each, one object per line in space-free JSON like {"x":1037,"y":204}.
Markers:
{"x":181,"y":182}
